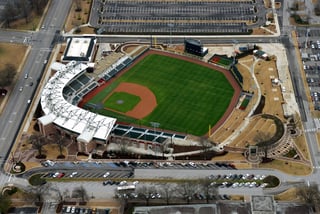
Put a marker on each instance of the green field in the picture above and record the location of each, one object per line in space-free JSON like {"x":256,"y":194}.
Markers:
{"x":190,"y":97}
{"x":121,"y":101}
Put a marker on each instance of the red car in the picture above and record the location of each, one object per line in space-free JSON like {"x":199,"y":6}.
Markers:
{"x":61,"y":175}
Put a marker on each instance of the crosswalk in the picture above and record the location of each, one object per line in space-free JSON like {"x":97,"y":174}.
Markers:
{"x":6,"y":179}
{"x":311,"y":130}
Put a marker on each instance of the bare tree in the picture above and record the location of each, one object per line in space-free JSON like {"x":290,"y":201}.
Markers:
{"x":206,"y":145}
{"x":37,"y":193}
{"x":24,"y":9}
{"x":66,"y":193}
{"x":7,"y":75}
{"x":310,"y":195}
{"x":187,"y":189}
{"x":317,"y":8}
{"x":9,"y":13}
{"x":145,"y":192}
{"x":123,"y":147}
{"x":60,"y":140}
{"x":61,"y":195}
{"x":167,"y":190}
{"x":295,"y":5}
{"x":209,"y":190}
{"x":261,"y":138}
{"x":38,"y":5}
{"x":38,"y":141}
{"x":78,"y":5}
{"x":80,"y":192}
{"x":5,"y":203}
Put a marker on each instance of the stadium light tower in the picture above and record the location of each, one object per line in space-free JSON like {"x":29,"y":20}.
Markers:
{"x":155,"y":125}
{"x":170,"y":25}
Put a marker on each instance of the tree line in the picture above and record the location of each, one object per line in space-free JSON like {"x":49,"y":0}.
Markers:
{"x":22,"y":9}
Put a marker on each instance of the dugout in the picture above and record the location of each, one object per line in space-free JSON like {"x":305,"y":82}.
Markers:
{"x":194,"y":47}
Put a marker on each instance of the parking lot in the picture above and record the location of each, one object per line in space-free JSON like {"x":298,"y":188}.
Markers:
{"x":226,"y":184}
{"x":174,"y":16}
{"x":121,"y":169}
{"x":309,"y":45}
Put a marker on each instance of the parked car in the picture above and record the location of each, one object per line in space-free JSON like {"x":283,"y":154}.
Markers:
{"x":55,"y":174}
{"x":61,"y":175}
{"x":135,"y":182}
{"x":123,"y":183}
{"x":73,"y":174}
{"x":106,"y":174}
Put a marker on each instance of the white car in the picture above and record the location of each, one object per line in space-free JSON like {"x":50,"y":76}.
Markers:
{"x":106,"y":174}
{"x":123,"y":183}
{"x":73,"y":174}
{"x":73,"y":209}
{"x":21,"y":88}
{"x":56,"y":174}
{"x":135,"y":182}
{"x":262,"y":177}
{"x":234,"y":185}
{"x":253,"y":184}
{"x":48,"y":162}
{"x":26,"y":76}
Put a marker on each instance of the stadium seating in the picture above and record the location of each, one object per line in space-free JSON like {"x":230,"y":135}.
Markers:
{"x":116,"y":67}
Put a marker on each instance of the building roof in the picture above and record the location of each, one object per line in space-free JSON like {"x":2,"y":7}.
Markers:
{"x":262,"y":204}
{"x":79,"y":49}
{"x":67,"y":116}
{"x":193,"y":41}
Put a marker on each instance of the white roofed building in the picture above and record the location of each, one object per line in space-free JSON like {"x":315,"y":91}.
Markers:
{"x":79,"y":49}
{"x":84,"y":127}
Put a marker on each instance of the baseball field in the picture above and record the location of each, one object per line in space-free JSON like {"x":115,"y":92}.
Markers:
{"x":176,"y":94}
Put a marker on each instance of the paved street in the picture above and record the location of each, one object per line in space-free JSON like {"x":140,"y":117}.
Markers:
{"x":15,"y":111}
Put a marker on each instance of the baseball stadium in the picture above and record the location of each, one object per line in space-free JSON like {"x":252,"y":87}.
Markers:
{"x":149,"y":99}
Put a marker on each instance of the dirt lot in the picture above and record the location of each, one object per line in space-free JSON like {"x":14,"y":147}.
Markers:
{"x":77,"y":18}
{"x":14,"y":54}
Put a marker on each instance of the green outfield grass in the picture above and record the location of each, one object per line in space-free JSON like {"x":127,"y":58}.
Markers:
{"x":121,"y":101}
{"x":190,"y":97}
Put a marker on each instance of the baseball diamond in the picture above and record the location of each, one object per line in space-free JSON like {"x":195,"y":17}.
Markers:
{"x":182,"y":94}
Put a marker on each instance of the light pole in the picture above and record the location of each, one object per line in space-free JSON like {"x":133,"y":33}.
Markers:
{"x":170,"y":25}
{"x":154,"y":125}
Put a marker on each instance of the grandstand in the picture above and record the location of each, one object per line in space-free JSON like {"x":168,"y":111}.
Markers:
{"x":144,"y":134}
{"x":67,"y":117}
{"x":116,"y":67}
{"x":78,"y":87}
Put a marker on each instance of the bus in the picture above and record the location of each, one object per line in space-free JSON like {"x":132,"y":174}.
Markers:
{"x":127,"y":187}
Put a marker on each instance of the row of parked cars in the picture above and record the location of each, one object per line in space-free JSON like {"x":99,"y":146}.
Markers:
{"x":133,"y":195}
{"x":189,"y":164}
{"x":238,"y":180}
{"x":81,"y":210}
{"x":119,"y":183}
{"x":59,"y":174}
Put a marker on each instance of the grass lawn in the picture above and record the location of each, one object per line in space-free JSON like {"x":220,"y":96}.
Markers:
{"x":190,"y":97}
{"x":121,"y":101}
{"x":11,"y":53}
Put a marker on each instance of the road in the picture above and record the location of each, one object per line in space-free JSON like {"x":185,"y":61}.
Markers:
{"x":41,"y":47}
{"x":41,"y":43}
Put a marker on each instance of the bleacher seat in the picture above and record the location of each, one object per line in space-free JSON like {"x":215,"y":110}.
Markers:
{"x":75,"y":85}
